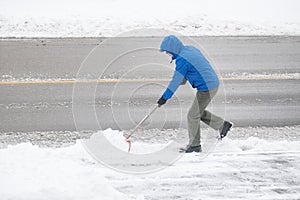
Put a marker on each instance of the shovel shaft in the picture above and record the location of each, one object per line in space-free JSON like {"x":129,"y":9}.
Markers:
{"x":142,"y":121}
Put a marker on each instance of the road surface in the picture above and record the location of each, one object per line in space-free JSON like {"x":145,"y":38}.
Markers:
{"x":260,"y":84}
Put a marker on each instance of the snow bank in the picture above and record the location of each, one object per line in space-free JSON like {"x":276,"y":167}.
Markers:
{"x":247,"y":145}
{"x":66,"y":18}
{"x":197,"y":25}
{"x":262,"y":75}
{"x":259,"y":168}
{"x":29,"y":172}
{"x":226,"y":76}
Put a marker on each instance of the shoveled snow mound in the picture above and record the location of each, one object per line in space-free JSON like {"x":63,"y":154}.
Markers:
{"x":117,"y":139}
{"x":246,"y":145}
{"x":29,"y":172}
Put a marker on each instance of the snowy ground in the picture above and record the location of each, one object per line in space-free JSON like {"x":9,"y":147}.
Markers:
{"x":66,"y":18}
{"x":253,"y":163}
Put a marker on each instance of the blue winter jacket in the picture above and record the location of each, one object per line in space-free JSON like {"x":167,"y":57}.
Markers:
{"x":190,"y":64}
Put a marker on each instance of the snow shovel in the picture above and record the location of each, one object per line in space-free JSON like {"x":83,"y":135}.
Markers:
{"x":138,"y":125}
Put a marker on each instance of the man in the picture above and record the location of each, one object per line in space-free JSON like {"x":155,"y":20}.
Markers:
{"x":191,"y":65}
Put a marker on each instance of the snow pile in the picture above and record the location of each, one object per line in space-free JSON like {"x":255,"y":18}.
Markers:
{"x":249,"y":169}
{"x":117,"y":139}
{"x":29,"y":172}
{"x":66,"y":18}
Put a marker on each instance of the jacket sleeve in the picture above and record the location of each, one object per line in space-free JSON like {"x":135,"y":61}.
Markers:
{"x":179,"y":75}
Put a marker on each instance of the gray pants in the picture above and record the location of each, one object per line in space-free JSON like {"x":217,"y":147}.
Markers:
{"x":198,"y":112}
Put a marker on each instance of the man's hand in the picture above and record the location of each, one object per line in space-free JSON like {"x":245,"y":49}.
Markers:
{"x":161,"y":102}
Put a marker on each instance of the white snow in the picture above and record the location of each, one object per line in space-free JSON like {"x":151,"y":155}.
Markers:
{"x":262,"y":75}
{"x":67,"y":18}
{"x":249,"y":168}
{"x":10,"y":79}
{"x":28,"y":172}
{"x":117,"y":139}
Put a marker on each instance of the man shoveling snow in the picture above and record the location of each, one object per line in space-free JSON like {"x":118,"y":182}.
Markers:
{"x":191,"y":65}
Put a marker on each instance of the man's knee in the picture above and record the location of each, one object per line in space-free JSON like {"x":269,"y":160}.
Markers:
{"x":191,"y":116}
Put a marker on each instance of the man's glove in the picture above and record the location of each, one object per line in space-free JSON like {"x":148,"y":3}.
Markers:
{"x":161,"y":102}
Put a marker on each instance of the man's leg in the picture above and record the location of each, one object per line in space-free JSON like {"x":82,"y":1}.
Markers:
{"x":193,"y":119}
{"x":197,"y":109}
{"x":209,"y":118}
{"x":212,"y":120}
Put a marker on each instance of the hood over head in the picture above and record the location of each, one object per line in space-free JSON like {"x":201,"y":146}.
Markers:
{"x":172,"y":45}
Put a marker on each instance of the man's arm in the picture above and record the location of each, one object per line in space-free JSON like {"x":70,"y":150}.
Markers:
{"x":178,"y":77}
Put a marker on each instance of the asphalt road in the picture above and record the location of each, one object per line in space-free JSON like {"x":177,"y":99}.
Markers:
{"x":27,"y":104}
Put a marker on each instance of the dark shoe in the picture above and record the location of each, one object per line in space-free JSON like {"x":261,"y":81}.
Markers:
{"x":225,"y":128}
{"x":190,"y":149}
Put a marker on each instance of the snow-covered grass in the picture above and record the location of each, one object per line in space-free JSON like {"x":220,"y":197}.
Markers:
{"x":66,"y":18}
{"x":249,"y":168}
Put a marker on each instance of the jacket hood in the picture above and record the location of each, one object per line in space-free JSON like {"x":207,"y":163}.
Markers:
{"x":172,"y":45}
